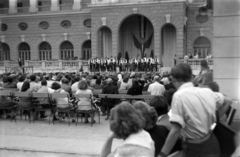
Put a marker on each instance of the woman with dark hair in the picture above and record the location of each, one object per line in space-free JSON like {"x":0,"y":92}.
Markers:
{"x":84,"y":103}
{"x":149,"y":116}
{"x":26,"y":101}
{"x":137,"y":87}
{"x":20,"y":82}
{"x":126,"y":124}
{"x":98,"y":84}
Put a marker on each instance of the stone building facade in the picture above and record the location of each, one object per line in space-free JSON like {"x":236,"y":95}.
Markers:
{"x":86,"y":18}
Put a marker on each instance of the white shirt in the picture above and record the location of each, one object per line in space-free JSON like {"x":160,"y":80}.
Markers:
{"x":74,"y":87}
{"x":156,"y":88}
{"x":19,"y":85}
{"x":194,"y":109}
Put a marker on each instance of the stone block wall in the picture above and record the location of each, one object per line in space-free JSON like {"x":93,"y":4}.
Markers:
{"x":54,"y":34}
{"x":193,"y":29}
{"x":155,"y":12}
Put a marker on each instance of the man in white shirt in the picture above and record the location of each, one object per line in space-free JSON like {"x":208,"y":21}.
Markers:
{"x":156,"y":88}
{"x":74,"y":86}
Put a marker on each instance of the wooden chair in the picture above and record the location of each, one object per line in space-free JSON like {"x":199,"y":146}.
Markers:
{"x":37,"y":98}
{"x":69,"y":110}
{"x":21,"y":108}
{"x":12,"y":109}
{"x":92,"y":111}
{"x":230,"y":115}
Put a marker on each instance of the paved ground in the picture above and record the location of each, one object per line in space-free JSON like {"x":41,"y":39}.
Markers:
{"x":40,"y":139}
{"x":52,"y":140}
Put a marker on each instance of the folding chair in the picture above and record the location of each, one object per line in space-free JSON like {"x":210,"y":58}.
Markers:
{"x":69,"y":110}
{"x":230,"y":114}
{"x":24,"y":95}
{"x":12,"y":109}
{"x":92,"y":111}
{"x":38,"y":99}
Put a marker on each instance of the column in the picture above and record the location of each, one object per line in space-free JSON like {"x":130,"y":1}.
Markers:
{"x":12,"y":6}
{"x":54,"y":6}
{"x":77,"y":4}
{"x":33,"y":6}
{"x":226,"y":54}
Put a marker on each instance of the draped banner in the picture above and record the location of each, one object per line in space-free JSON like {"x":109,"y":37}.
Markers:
{"x":169,"y":45}
{"x":136,"y":36}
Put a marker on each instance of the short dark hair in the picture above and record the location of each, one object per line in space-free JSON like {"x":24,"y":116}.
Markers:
{"x":33,"y":77}
{"x":160,"y":104}
{"x":56,"y":86}
{"x":125,"y":79}
{"x":65,"y":81}
{"x":10,"y":79}
{"x":83,"y":85}
{"x":124,"y":120}
{"x":95,"y":77}
{"x":213,"y":86}
{"x":76,"y":79}
{"x":43,"y":82}
{"x":182,"y":72}
{"x":21,"y":78}
{"x":98,"y":81}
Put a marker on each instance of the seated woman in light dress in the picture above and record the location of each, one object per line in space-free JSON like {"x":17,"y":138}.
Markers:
{"x":126,"y":124}
{"x":84,"y":103}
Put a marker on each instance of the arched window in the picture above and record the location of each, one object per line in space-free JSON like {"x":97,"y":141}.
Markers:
{"x":45,"y":51}
{"x":24,"y":51}
{"x":67,"y":51}
{"x":86,"y":49}
{"x":202,"y":46}
{"x":5,"y":53}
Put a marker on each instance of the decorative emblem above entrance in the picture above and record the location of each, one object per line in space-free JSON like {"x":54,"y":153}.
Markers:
{"x":4,"y":27}
{"x":23,"y":26}
{"x":44,"y":25}
{"x":87,"y":23}
{"x":66,"y":24}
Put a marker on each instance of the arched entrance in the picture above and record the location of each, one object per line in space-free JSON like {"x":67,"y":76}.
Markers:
{"x":67,"y":51}
{"x":136,"y":36}
{"x":86,"y":50}
{"x":202,"y":46}
{"x":5,"y":54}
{"x":45,"y":51}
{"x":24,"y":51}
{"x":104,"y":42}
{"x":169,"y":45}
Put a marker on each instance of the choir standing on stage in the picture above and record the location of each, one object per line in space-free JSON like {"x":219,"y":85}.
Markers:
{"x":132,"y":64}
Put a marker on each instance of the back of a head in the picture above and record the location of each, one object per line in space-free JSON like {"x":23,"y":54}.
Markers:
{"x":109,"y":81}
{"x":76,"y":79}
{"x":182,"y":72}
{"x":147,"y":113}
{"x":98,"y":81}
{"x":83,"y":85}
{"x":56,"y":86}
{"x":33,"y":77}
{"x":204,"y":64}
{"x":25,"y":86}
{"x":44,"y":82}
{"x":124,"y":120}
{"x":125,"y":80}
{"x":21,"y":78}
{"x":156,"y":78}
{"x":160,"y":104}
{"x":10,"y":79}
{"x":213,"y":86}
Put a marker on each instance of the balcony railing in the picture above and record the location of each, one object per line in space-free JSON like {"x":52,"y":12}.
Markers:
{"x":120,"y":1}
{"x":196,"y":63}
{"x":66,"y":7}
{"x":44,"y":8}
{"x":23,"y":10}
{"x":4,"y":10}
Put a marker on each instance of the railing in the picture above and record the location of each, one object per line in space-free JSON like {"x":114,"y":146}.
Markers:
{"x":34,"y":63}
{"x":51,"y":64}
{"x":195,"y":63}
{"x":23,"y":10}
{"x":120,"y":1}
{"x":4,"y":10}
{"x":70,"y":64}
{"x":44,"y":8}
{"x":66,"y":7}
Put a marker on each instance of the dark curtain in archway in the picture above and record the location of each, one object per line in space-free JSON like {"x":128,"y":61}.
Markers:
{"x":135,"y":36}
{"x":104,"y":42}
{"x":169,"y":45}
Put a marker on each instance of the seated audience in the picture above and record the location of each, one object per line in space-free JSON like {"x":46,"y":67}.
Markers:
{"x":137,"y":87}
{"x":11,"y":83}
{"x":33,"y":85}
{"x":126,"y":124}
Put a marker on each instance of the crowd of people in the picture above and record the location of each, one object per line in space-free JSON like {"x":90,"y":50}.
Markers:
{"x":132,"y":64}
{"x":179,"y":117}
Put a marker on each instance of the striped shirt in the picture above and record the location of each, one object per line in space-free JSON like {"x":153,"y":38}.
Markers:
{"x":194,"y":109}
